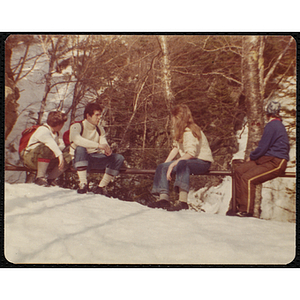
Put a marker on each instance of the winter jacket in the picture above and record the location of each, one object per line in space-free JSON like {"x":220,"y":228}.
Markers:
{"x":274,"y":142}
{"x":191,"y":145}
{"x":45,"y":136}
{"x":89,"y":138}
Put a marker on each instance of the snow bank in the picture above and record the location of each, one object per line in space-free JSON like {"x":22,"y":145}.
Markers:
{"x":55,"y":225}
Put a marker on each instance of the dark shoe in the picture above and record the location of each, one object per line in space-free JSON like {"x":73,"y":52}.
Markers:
{"x":160,"y":204}
{"x":178,"y":206}
{"x":41,"y":181}
{"x":51,"y":182}
{"x":243,"y":214}
{"x":101,"y":191}
{"x":231,"y":213}
{"x":83,"y":189}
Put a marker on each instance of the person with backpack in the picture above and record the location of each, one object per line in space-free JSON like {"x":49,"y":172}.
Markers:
{"x":90,"y":150}
{"x":195,"y":157}
{"x":43,"y":151}
{"x":266,"y":162}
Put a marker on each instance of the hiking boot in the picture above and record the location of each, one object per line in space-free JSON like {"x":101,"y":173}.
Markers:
{"x":83,"y":188}
{"x":178,"y":206}
{"x":51,"y":182}
{"x":101,"y":191}
{"x":160,"y":204}
{"x":243,"y":214}
{"x":41,"y":181}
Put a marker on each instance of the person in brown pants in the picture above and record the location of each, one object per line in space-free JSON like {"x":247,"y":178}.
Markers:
{"x":266,"y":162}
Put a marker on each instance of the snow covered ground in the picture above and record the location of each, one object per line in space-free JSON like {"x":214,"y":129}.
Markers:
{"x":55,"y":225}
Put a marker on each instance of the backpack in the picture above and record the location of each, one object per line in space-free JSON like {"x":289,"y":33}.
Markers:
{"x":66,"y":135}
{"x":25,"y":137}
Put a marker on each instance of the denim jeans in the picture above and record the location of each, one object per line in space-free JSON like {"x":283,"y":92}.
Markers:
{"x":111,"y":164}
{"x":183,"y":170}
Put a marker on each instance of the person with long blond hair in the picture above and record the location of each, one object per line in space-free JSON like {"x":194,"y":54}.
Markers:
{"x":195,"y":157}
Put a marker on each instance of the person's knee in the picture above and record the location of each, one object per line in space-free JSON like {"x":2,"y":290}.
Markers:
{"x":80,"y":151}
{"x":80,"y":158}
{"x":44,"y":151}
{"x":182,"y":164}
{"x":119,"y":157}
{"x":163,"y":167}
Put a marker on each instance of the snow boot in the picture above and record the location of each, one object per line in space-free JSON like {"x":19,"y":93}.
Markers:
{"x":178,"y":206}
{"x":101,"y":191}
{"x":41,"y":181}
{"x":51,"y":182}
{"x":230,"y":212}
{"x":83,"y":188}
{"x":160,"y":204}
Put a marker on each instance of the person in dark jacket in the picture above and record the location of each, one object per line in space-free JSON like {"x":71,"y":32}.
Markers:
{"x":266,"y":162}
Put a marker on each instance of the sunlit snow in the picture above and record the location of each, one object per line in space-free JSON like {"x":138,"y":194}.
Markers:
{"x":55,"y":225}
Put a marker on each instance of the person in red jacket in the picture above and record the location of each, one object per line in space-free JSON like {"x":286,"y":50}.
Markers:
{"x":266,"y":162}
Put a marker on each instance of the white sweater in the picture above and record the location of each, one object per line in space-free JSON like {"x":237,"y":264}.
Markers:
{"x":89,"y":139}
{"x":191,"y":145}
{"x":45,"y":136}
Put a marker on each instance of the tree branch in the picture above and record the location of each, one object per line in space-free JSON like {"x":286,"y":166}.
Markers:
{"x":227,"y":77}
{"x":277,"y":62}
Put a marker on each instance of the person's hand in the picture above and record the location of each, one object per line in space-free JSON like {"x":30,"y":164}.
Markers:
{"x":106,"y":149}
{"x":61,"y":162}
{"x":170,"y":169}
{"x":248,"y":159}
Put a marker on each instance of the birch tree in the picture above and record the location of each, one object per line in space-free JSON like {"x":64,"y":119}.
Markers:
{"x":251,"y":73}
{"x":166,"y":70}
{"x":255,"y":80}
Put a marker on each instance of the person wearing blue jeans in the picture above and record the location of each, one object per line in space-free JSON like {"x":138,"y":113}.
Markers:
{"x":90,"y":150}
{"x":98,"y":161}
{"x":195,"y":158}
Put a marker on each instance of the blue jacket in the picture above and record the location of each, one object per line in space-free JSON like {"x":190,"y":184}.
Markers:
{"x":274,"y":142}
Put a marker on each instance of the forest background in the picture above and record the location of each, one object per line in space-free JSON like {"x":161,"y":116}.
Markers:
{"x":226,"y":80}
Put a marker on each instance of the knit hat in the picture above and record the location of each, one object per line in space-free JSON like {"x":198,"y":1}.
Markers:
{"x":273,"y":108}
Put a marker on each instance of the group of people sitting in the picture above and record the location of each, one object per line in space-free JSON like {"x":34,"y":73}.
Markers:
{"x":191,"y":154}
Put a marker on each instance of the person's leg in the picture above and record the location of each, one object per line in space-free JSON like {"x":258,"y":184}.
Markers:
{"x":55,"y":171}
{"x":265,"y":169}
{"x":39,"y":159}
{"x":81,"y":162}
{"x":183,"y":196}
{"x":182,"y":181}
{"x":106,"y":179}
{"x":239,"y":185}
{"x":160,"y":182}
{"x":111,"y":164}
{"x":160,"y":188}
{"x":186,"y":167}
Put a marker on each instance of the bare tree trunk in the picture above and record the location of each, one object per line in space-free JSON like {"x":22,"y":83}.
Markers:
{"x":166,"y":80}
{"x":252,"y":67}
{"x":251,"y":82}
{"x":166,"y":71}
{"x":48,"y":76}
